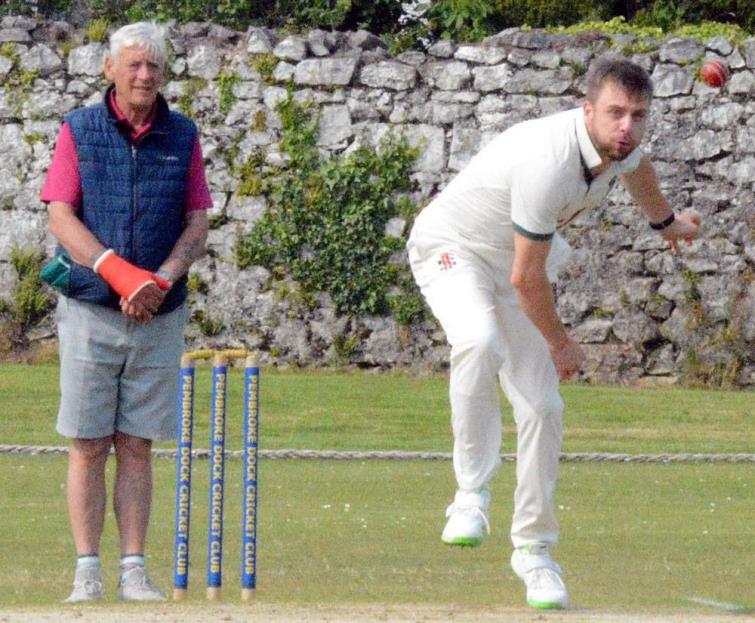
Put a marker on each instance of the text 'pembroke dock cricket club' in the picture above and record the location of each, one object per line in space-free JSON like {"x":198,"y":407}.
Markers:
{"x":217,"y":479}
{"x":250,"y":482}
{"x":183,"y":491}
{"x":187,"y":385}
{"x":187,"y":408}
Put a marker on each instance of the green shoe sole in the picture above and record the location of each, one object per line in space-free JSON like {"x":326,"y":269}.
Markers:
{"x":464,"y":541}
{"x":545,"y":605}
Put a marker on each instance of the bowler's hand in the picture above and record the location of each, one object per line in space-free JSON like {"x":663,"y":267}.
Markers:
{"x":568,"y":358}
{"x":686,"y":227}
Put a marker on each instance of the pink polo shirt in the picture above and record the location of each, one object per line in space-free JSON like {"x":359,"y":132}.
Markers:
{"x":63,"y":182}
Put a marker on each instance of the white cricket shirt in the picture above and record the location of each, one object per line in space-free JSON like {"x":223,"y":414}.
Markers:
{"x":532,"y":178}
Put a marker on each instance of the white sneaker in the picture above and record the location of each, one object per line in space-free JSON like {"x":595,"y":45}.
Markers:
{"x":136,"y":585}
{"x":542,"y":576}
{"x":87,"y":586}
{"x":468,"y":522}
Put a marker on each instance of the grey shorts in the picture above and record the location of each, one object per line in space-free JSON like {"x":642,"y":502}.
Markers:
{"x":117,"y":374}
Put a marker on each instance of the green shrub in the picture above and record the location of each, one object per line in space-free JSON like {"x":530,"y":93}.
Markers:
{"x":661,"y":15}
{"x":410,"y":37}
{"x":456,"y":19}
{"x":644,"y":30}
{"x":208,"y":325}
{"x":15,"y":7}
{"x":97,"y":30}
{"x":226,"y":82}
{"x":326,"y":217}
{"x":463,"y":20}
{"x":672,"y":14}
{"x":8,"y":50}
{"x":705,"y":31}
{"x":44,"y":7}
{"x":472,"y":20}
{"x":345,"y":347}
{"x":18,"y":84}
{"x":546,"y":13}
{"x":377,"y":16}
{"x":616,"y":25}
{"x":195,"y":283}
{"x":322,"y":13}
{"x":264,"y":65}
{"x":259,"y":121}
{"x":408,"y":307}
{"x":31,"y":302}
{"x":191,"y":87}
{"x":250,"y":175}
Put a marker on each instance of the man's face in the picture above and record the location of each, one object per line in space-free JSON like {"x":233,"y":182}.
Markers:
{"x":616,"y":121}
{"x":137,"y":77}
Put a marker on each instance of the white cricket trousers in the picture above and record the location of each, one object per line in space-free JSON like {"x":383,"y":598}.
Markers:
{"x":493,"y":340}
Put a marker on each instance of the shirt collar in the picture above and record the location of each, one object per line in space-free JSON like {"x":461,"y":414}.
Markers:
{"x":590,"y":155}
{"x":135,"y":134}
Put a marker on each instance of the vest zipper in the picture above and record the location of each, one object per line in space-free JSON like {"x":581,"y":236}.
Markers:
{"x":133,"y":202}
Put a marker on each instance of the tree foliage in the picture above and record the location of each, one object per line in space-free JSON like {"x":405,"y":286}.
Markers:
{"x":455,"y":19}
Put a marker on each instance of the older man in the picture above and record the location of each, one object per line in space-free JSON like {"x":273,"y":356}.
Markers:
{"x":127,"y":201}
{"x":484,"y":253}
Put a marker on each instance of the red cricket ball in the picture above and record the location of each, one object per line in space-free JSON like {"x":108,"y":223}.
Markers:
{"x":714,"y":74}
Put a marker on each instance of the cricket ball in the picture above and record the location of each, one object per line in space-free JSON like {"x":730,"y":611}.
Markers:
{"x":714,"y":74}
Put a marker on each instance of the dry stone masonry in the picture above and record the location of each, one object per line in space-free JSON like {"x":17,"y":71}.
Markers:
{"x":643,"y":315}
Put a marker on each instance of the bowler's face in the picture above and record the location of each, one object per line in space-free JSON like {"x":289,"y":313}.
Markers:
{"x":137,"y":78}
{"x":616,"y":121}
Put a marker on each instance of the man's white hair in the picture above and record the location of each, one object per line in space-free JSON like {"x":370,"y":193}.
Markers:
{"x":146,"y":35}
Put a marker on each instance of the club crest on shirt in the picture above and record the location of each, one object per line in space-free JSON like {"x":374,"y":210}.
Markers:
{"x":446,"y":261}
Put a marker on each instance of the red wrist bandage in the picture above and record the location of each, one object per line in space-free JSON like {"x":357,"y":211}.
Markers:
{"x":125,"y":278}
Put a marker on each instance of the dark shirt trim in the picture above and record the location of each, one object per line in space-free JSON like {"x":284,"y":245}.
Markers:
{"x":586,"y":172}
{"x":531,"y":235}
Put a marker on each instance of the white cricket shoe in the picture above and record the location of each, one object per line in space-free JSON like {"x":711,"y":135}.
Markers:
{"x":468,"y":522}
{"x":136,"y":585}
{"x":87,"y":586}
{"x":542,"y":576}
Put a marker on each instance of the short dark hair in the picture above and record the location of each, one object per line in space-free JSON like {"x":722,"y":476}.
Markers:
{"x":621,"y":71}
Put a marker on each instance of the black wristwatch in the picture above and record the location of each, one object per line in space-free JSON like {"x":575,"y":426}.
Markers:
{"x":664,"y":223}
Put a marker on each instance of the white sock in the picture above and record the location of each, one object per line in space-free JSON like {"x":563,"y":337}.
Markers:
{"x":132,"y":560}
{"x":91,"y":561}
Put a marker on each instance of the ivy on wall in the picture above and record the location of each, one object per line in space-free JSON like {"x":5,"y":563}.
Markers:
{"x":325,"y":224}
{"x":18,"y":84}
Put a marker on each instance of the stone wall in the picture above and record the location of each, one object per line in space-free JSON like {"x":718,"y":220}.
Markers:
{"x":643,"y":315}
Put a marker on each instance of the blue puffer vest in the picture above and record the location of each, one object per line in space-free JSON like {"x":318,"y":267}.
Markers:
{"x":133,"y":194}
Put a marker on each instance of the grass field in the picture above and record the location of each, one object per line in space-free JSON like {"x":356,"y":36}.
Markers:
{"x":633,"y":536}
{"x":357,"y":411}
{"x":640,"y":538}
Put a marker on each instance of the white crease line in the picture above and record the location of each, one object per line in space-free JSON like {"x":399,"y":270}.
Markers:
{"x":721,"y":605}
